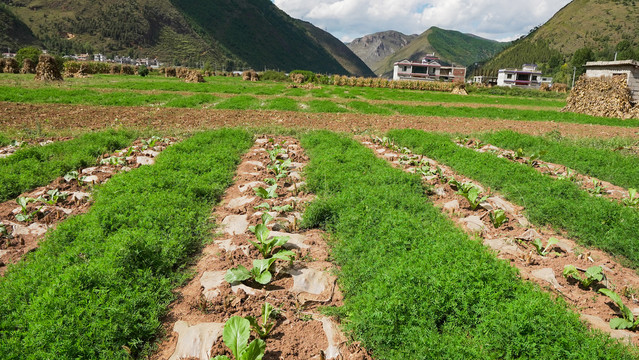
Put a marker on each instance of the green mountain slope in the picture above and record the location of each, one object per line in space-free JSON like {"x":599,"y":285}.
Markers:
{"x":14,"y":34}
{"x":451,"y":46}
{"x":599,"y":25}
{"x":224,"y":33}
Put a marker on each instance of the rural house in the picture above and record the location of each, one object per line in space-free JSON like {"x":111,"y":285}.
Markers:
{"x":429,"y":69}
{"x":529,"y":76}
{"x":627,"y":68}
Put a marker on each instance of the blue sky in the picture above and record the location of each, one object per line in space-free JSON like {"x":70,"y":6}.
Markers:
{"x":501,"y":20}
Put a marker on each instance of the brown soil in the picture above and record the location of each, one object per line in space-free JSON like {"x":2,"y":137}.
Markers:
{"x":298,"y":333}
{"x":24,"y":236}
{"x":69,"y":117}
{"x":555,"y":171}
{"x":512,"y":242}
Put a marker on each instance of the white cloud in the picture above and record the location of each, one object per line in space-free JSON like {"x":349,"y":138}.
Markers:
{"x":493,"y":19}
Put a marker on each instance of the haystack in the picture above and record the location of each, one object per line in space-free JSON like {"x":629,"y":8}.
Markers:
{"x":459,"y":89}
{"x":47,"y":69}
{"x":297,"y":78}
{"x":115,"y":69}
{"x":604,"y":96}
{"x":250,"y":75}
{"x":170,"y":72}
{"x":127,"y":70}
{"x":194,"y":76}
{"x":2,"y":62}
{"x":182,"y":72}
{"x":11,"y":66}
{"x":28,"y":66}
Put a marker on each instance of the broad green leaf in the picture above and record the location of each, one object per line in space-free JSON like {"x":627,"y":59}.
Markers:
{"x":571,"y":270}
{"x":261,"y":192}
{"x":263,"y":277}
{"x":280,"y":240}
{"x":266,"y":218}
{"x":237,"y":274}
{"x":237,"y":331}
{"x":271,"y":191}
{"x":553,"y":241}
{"x":538,"y":245}
{"x":285,"y":255}
{"x":619,"y":323}
{"x":221,"y":357}
{"x":263,"y":264}
{"x":255,"y":350}
{"x":595,"y":273}
{"x":267,"y":310}
{"x":263,"y":206}
{"x":625,"y":311}
{"x":261,"y":232}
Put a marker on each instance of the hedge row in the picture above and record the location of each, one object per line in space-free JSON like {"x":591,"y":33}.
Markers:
{"x":592,"y":221}
{"x":417,"y":287}
{"x":604,"y":164}
{"x":35,"y":166}
{"x":99,"y":284}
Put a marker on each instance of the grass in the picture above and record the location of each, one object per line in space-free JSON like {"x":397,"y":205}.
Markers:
{"x":284,"y":104}
{"x":591,"y":221}
{"x":4,"y":140}
{"x":35,"y":166}
{"x":241,"y":102}
{"x":100,"y":283}
{"x":604,"y":164}
{"x":193,"y":101}
{"x":417,"y":287}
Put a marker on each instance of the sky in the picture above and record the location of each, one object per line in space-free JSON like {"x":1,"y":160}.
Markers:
{"x":501,"y":20}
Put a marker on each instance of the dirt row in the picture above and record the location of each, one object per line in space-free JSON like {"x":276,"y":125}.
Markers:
{"x":592,"y":185}
{"x":24,"y":225}
{"x":69,"y":117}
{"x":298,"y":288}
{"x":513,"y":240}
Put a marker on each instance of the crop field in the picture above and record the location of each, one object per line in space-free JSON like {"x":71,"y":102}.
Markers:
{"x":149,"y":218}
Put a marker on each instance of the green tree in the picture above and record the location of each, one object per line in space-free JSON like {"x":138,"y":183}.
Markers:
{"x":29,"y":52}
{"x":624,"y":50}
{"x":580,"y":58}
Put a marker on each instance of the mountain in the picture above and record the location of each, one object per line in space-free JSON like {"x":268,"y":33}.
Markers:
{"x":376,"y":47}
{"x":598,"y":27}
{"x":14,"y":34}
{"x":223,"y":33}
{"x":449,"y":45}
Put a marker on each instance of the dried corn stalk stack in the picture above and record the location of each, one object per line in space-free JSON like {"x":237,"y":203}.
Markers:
{"x":182,"y":72}
{"x":297,"y":78}
{"x":11,"y":66}
{"x":194,"y":76}
{"x":170,"y":72}
{"x":115,"y":69}
{"x":47,"y":69}
{"x":127,"y":70}
{"x":459,"y":89}
{"x":28,"y":66}
{"x":2,"y":62}
{"x":604,"y":96}
{"x":250,"y":75}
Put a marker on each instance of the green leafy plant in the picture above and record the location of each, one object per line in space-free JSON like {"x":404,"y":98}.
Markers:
{"x":260,"y":272}
{"x":237,"y":332}
{"x":263,"y":206}
{"x":498,"y":217}
{"x":597,"y":188}
{"x":3,"y":230}
{"x":519,"y":153}
{"x":55,"y":195}
{"x":632,"y":199}
{"x":539,"y":246}
{"x":25,"y":215}
{"x":627,"y":321}
{"x":268,"y":193}
{"x":280,"y":168}
{"x":283,"y":208}
{"x":270,"y":181}
{"x":265,"y":245}
{"x":592,"y":274}
{"x":113,"y":160}
{"x":533,"y":159}
{"x":471,"y":192}
{"x":569,"y":175}
{"x":275,"y":152}
{"x":71,"y":175}
{"x":263,"y":328}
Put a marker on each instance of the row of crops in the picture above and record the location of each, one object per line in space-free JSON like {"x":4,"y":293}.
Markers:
{"x":415,"y":285}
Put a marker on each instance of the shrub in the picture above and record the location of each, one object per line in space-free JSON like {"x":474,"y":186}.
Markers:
{"x":274,"y":76}
{"x":309,"y":76}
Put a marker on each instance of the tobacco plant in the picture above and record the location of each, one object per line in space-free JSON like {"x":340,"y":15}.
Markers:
{"x":471,"y":192}
{"x":280,"y":168}
{"x":627,"y":321}
{"x":498,"y":217}
{"x":237,"y":332}
{"x":25,"y":215}
{"x":268,"y":193}
{"x":597,"y":188}
{"x":632,"y":199}
{"x":54,"y":196}
{"x":260,"y":272}
{"x":592,"y":275}
{"x":539,"y":246}
{"x":263,"y":328}
{"x":113,"y":160}
{"x":265,"y":245}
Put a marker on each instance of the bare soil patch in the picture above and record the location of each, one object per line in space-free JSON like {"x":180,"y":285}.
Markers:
{"x":69,"y":117}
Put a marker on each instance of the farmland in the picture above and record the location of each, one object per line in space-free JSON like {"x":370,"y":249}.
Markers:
{"x":317,"y":222}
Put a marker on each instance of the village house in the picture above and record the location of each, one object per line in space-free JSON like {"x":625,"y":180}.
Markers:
{"x":528,"y":76}
{"x":429,"y":69}
{"x":627,"y":68}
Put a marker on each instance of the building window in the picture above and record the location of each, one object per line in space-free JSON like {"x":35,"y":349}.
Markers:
{"x":534,"y":78}
{"x":405,"y":68}
{"x":509,"y":76}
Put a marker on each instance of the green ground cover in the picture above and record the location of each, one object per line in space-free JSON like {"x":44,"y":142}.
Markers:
{"x":4,"y":140}
{"x":193,"y":101}
{"x":35,"y":166}
{"x":417,"y":287}
{"x":604,"y":164}
{"x":592,"y":221}
{"x":100,"y":283}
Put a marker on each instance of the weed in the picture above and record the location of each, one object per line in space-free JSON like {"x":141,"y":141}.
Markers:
{"x":263,"y":328}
